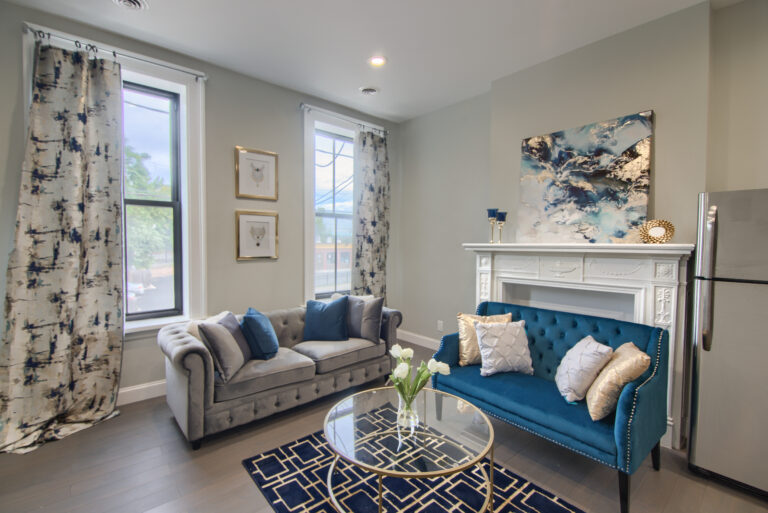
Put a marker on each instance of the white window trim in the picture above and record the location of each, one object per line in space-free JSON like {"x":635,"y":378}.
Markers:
{"x":191,"y":88}
{"x":344,"y":125}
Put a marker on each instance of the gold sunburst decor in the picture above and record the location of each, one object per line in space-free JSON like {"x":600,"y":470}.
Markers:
{"x":657,"y":231}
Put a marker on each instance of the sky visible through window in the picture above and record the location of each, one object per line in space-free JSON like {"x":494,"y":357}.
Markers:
{"x":146,"y":129}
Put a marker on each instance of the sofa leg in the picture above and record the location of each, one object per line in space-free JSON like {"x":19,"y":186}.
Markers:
{"x":439,"y":406}
{"x":656,"y":456}
{"x":196,"y":444}
{"x":624,"y":491}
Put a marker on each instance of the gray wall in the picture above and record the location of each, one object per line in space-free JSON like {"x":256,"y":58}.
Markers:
{"x":444,"y":191}
{"x":462,"y":159}
{"x":239,"y":110}
{"x":662,"y":66}
{"x":739,"y":97}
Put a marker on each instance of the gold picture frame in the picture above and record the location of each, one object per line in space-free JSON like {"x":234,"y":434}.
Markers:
{"x":256,"y":235}
{"x":255,"y":174}
{"x":657,"y":231}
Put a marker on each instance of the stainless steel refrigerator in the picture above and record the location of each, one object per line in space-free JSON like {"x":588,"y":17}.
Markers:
{"x":729,"y":344}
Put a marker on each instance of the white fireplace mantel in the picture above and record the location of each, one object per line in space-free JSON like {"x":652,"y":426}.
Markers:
{"x":643,"y":283}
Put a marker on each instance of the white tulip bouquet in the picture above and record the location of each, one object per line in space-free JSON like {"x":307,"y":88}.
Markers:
{"x":406,"y":386}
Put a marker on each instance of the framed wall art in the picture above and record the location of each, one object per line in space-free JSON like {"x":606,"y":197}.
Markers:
{"x":255,"y":234}
{"x":255,"y":174}
{"x":587,"y":184}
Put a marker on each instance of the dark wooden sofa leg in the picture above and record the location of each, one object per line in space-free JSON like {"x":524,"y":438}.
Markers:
{"x":624,"y":491}
{"x":196,"y":444}
{"x":656,"y":456}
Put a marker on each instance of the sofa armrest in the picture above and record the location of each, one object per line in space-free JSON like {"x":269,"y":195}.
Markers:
{"x":641,"y":413}
{"x":448,"y":352}
{"x":189,"y":378}
{"x":390,"y":320}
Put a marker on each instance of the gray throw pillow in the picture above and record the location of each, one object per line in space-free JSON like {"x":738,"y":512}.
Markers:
{"x":227,"y":344}
{"x":580,"y":366}
{"x":364,"y":318}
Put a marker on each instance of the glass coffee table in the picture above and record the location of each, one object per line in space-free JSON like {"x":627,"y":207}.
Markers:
{"x":452,"y":435}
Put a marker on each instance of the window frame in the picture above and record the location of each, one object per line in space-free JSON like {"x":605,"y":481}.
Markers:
{"x":334,"y":215}
{"x":175,"y":203}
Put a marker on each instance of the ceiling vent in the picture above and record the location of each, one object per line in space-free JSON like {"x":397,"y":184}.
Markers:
{"x":369,"y":91}
{"x":133,"y":5}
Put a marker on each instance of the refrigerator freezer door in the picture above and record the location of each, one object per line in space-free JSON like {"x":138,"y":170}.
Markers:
{"x":729,"y":412}
{"x":741,"y":250}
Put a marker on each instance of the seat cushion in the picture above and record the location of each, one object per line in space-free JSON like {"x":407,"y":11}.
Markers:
{"x":286,"y":367}
{"x":332,"y":355}
{"x":536,"y":400}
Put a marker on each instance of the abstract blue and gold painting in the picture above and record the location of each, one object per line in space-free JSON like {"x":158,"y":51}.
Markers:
{"x":586,"y":184}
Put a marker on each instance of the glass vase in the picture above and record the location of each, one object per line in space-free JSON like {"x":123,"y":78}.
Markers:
{"x":407,"y":415}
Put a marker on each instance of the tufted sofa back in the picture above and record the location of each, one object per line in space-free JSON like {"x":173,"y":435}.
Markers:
{"x":551,"y":334}
{"x":288,"y":324}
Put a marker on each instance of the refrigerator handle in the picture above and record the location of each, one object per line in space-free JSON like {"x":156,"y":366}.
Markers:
{"x":707,"y":267}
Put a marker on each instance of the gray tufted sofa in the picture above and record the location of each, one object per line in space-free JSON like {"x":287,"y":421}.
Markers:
{"x":204,"y":405}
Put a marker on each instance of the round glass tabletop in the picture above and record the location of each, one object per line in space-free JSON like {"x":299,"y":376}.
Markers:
{"x":451,"y":433}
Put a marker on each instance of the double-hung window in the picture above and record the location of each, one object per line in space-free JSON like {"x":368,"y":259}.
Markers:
{"x":152,"y":202}
{"x":329,"y":163}
{"x":333,"y":201}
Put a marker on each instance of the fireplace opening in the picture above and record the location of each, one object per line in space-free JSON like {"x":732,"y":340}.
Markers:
{"x":615,"y":305}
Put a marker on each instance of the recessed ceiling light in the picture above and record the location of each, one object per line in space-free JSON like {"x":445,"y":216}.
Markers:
{"x":134,"y":5}
{"x":369,"y":91}
{"x":377,"y":61}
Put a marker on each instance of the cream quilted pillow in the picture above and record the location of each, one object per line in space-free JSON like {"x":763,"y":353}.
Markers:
{"x":580,"y":366}
{"x":503,"y":348}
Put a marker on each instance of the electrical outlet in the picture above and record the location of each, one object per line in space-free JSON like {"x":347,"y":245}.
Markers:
{"x":440,"y":326}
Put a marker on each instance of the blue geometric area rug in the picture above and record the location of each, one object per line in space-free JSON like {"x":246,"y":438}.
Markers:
{"x":293,"y":479}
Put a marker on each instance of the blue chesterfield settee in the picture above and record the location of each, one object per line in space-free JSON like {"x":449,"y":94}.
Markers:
{"x":622,"y":440}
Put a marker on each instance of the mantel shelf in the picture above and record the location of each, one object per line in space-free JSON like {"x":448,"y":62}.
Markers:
{"x":577,"y":248}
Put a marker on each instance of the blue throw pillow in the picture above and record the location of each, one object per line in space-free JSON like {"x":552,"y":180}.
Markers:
{"x":259,"y":334}
{"x":326,"y":321}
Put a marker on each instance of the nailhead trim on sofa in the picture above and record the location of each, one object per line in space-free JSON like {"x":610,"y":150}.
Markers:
{"x":634,"y":400}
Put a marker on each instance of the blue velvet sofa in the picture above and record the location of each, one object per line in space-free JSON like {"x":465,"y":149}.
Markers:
{"x":622,"y":440}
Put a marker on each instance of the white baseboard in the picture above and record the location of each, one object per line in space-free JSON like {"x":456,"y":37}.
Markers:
{"x":136,"y":393}
{"x":419,"y":340}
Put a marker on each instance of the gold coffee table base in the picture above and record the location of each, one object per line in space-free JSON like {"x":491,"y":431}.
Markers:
{"x":487,"y":505}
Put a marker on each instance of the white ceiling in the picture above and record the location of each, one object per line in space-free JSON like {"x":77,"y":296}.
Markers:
{"x":439,"y":51}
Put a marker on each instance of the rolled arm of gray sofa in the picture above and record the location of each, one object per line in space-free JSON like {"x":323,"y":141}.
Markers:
{"x":189,"y":378}
{"x":390,"y":320}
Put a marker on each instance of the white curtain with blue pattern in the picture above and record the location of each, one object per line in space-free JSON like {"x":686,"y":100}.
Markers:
{"x":369,"y":272}
{"x":62,"y":349}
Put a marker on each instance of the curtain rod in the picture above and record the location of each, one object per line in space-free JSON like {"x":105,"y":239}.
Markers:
{"x":41,"y":32}
{"x":361,"y":124}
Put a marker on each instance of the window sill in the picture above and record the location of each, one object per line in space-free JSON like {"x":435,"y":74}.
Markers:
{"x":147,"y":326}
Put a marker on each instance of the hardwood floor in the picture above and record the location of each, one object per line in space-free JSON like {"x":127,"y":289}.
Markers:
{"x":139,"y":462}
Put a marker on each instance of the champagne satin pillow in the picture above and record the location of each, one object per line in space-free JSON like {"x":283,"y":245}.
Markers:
{"x":469,"y":350}
{"x":627,"y":364}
